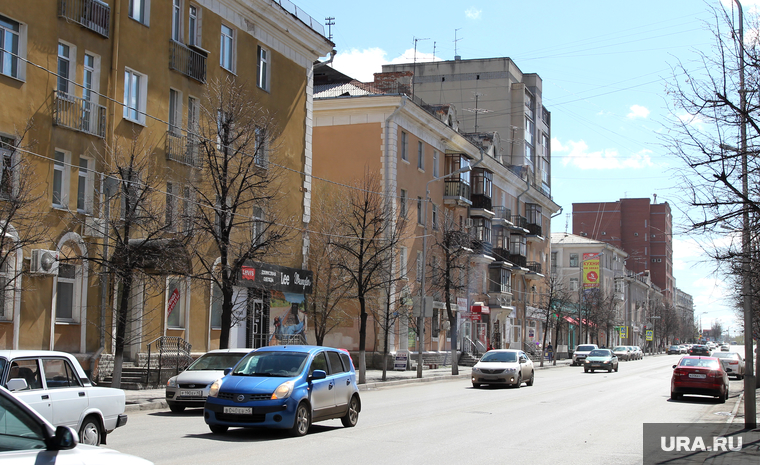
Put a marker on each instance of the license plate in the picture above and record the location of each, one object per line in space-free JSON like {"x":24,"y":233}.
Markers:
{"x":194,"y":393}
{"x":239,"y":410}
{"x":697,"y":375}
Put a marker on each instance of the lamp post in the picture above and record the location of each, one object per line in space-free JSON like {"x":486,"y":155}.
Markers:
{"x":421,"y":318}
{"x":701,"y":329}
{"x":580,"y":295}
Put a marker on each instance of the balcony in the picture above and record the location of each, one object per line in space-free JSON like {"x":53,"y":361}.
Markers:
{"x":79,"y":114}
{"x":187,"y":61}
{"x":519,"y":224}
{"x":501,"y":255}
{"x":502,"y":216}
{"x":499,"y":300}
{"x":457,"y":192}
{"x":182,"y":149}
{"x":482,"y":252}
{"x":534,"y":268}
{"x":92,"y":14}
{"x":520,"y":261}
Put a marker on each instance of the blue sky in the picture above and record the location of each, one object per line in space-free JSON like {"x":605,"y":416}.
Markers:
{"x":604,"y":67}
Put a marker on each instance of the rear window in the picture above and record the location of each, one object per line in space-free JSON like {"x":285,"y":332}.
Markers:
{"x":585,"y":348}
{"x":702,"y":363}
{"x":336,"y":365}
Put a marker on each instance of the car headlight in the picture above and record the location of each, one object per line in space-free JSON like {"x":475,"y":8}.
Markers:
{"x":214,"y":389}
{"x":588,"y":361}
{"x":284,"y":390}
{"x":172,"y":383}
{"x":475,"y":370}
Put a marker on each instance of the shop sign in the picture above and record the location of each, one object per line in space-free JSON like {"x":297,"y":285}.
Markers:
{"x":275,"y":278}
{"x":400,"y":362}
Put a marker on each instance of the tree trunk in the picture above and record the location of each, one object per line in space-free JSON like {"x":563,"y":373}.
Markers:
{"x":362,"y":341}
{"x":121,"y":329}
{"x":454,"y":339}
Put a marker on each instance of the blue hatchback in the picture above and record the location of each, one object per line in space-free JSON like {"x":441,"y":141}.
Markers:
{"x":288,"y":387}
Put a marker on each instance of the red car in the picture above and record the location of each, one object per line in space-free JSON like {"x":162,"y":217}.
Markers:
{"x":699,"y":375}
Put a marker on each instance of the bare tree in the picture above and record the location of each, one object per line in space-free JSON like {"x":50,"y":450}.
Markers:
{"x":448,"y":267}
{"x":370,"y":232}
{"x":553,"y":302}
{"x":390,"y":305}
{"x":236,"y":216}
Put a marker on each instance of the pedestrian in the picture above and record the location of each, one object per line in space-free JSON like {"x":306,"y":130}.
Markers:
{"x":550,"y":350}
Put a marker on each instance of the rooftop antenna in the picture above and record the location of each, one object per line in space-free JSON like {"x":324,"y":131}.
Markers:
{"x":329,"y":21}
{"x":414,"y":66}
{"x":456,"y":55}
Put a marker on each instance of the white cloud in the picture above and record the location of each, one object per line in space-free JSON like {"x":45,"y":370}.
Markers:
{"x":637,"y":111}
{"x":473,"y":13}
{"x":362,"y":64}
{"x":578,"y":154}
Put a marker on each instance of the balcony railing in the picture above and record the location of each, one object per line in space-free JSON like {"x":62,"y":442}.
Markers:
{"x":457,"y":189}
{"x":534,"y":267}
{"x":520,"y":221}
{"x":502,"y":213}
{"x":182,"y":149}
{"x":79,"y":114}
{"x":187,"y":61}
{"x":481,"y":201}
{"x":499,"y":299}
{"x":92,"y":14}
{"x":519,"y":260}
{"x":481,"y":247}
{"x":534,"y":229}
{"x":501,"y":255}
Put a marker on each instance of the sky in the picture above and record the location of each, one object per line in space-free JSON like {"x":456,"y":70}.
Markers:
{"x":604,"y":67}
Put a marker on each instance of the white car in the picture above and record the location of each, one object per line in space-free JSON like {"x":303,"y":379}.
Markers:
{"x":503,"y":366}
{"x":581,"y":352}
{"x":55,"y":385}
{"x":733,"y":363}
{"x":27,"y":438}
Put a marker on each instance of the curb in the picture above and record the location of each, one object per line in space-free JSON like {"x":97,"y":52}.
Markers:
{"x":153,"y":405}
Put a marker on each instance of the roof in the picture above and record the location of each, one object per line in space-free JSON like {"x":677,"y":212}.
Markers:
{"x":564,"y":238}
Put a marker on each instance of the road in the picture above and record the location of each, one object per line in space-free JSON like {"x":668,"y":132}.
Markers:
{"x":567,"y":417}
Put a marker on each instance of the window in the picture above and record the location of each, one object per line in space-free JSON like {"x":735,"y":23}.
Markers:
{"x":574,"y":260}
{"x":435,"y":164}
{"x":85,"y":186}
{"x":404,"y":146}
{"x":7,"y":285}
{"x":402,"y":262}
{"x":420,"y":156}
{"x":261,"y":150}
{"x":90,"y":87}
{"x":403,"y":203}
{"x":419,"y":266}
{"x":61,"y":179}
{"x":135,"y":96}
{"x":435,"y":216}
{"x":7,"y":151}
{"x":573,"y":284}
{"x":194,"y":26}
{"x":226,"y":50}
{"x":192,"y":130}
{"x":139,"y":10}
{"x":64,"y":67}
{"x":419,"y":211}
{"x":171,"y":207}
{"x":336,"y":365}
{"x":64,"y":300}
{"x":177,"y":20}
{"x":177,"y":299}
{"x":12,"y":46}
{"x":258,"y":226}
{"x":216,"y":306}
{"x":59,"y":373}
{"x":263,"y":68}
{"x":187,"y":210}
{"x":175,"y":113}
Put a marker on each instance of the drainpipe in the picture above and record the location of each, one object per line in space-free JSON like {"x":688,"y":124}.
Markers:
{"x":525,"y":281}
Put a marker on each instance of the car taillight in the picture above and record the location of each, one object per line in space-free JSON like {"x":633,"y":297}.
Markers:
{"x":679,"y":372}
{"x":733,"y":363}
{"x":715,"y":374}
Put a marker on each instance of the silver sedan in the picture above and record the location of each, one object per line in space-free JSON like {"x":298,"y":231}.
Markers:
{"x":503,"y":367}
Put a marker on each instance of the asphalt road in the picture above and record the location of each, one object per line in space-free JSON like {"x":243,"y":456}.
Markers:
{"x":567,"y":417}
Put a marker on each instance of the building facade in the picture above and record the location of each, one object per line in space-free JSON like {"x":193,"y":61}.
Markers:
{"x":81,"y":78}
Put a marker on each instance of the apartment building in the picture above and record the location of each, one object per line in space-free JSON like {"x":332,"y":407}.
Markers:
{"x":642,"y":228}
{"x":413,"y":145}
{"x":89,"y":76}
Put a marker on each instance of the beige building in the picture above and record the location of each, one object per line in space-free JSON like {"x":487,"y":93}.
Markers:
{"x":91,"y":74}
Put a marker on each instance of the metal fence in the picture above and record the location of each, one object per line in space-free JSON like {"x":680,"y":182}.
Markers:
{"x":173,"y":354}
{"x":187,"y":61}
{"x":92,"y":14}
{"x":79,"y":114}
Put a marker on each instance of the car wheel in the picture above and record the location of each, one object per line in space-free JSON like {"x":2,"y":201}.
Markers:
{"x":302,"y":421}
{"x":585,"y":370}
{"x":592,"y":370}
{"x":352,"y":415}
{"x":617,"y":368}
{"x":218,"y":429}
{"x":91,"y":431}
{"x":476,"y":385}
{"x":609,"y":370}
{"x":531,"y":379}
{"x":176,"y":408}
{"x":519,"y":381}
{"x":674,"y":396}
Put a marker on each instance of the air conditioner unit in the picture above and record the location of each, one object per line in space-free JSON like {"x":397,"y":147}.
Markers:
{"x":44,"y":262}
{"x":94,"y":227}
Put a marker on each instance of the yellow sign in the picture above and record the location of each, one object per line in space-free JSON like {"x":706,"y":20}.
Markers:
{"x":590,"y":270}
{"x":650,"y":334}
{"x":624,"y":331}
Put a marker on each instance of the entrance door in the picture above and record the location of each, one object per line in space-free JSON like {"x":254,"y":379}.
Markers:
{"x":258,"y":323}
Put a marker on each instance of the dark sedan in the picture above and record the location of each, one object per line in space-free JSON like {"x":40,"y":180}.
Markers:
{"x":699,"y":349}
{"x":699,"y":375}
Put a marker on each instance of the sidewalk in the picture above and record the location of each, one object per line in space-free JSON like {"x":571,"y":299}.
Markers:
{"x":151,"y":399}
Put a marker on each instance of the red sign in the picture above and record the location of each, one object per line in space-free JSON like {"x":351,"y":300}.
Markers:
{"x":248,"y":273}
{"x":173,"y":299}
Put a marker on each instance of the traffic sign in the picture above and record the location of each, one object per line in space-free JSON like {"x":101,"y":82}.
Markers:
{"x":650,"y":334}
{"x":624,"y":332}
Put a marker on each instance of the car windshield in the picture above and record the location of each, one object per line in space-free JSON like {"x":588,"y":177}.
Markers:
{"x":699,"y":362}
{"x":619,"y":349}
{"x":674,"y":347}
{"x":585,"y":348}
{"x":726,"y":355}
{"x":509,"y":357}
{"x":215,"y":361}
{"x":599,"y":353}
{"x":275,"y":364}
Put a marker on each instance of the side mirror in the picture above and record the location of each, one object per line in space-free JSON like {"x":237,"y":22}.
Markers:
{"x":318,"y":374}
{"x":227,"y":371}
{"x":17,"y":384}
{"x":674,"y":366}
{"x":65,"y":438}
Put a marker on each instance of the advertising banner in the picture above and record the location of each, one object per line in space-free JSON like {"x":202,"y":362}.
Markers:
{"x":590,"y":270}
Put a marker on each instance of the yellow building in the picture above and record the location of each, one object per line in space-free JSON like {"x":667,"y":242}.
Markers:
{"x":87,"y":77}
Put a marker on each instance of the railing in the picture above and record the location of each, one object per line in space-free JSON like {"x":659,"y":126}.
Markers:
{"x":534,"y":229}
{"x":481,"y":201}
{"x":501,"y":254}
{"x":520,"y":221}
{"x":534,"y":267}
{"x":502,"y":213}
{"x":457,"y":189}
{"x":302,"y":15}
{"x":79,"y":114}
{"x":482,"y":247}
{"x":290,"y":339}
{"x":519,"y":260}
{"x":187,"y":61}
{"x":182,"y":149}
{"x":173,"y":352}
{"x":92,"y":14}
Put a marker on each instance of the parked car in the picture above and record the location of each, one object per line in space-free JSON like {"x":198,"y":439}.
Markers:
{"x":698,"y":349}
{"x":601,"y":359}
{"x":190,"y":388}
{"x":733,"y":363}
{"x":724,"y":348}
{"x":638,"y":354}
{"x":699,"y":375}
{"x":27,"y":438}
{"x":503,"y":366}
{"x":581,"y":352}
{"x":674,"y":349}
{"x":287,"y":387}
{"x":685,"y":348}
{"x":55,"y":385}
{"x":623,"y":353}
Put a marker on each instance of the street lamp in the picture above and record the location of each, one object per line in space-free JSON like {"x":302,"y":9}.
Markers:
{"x":421,"y":317}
